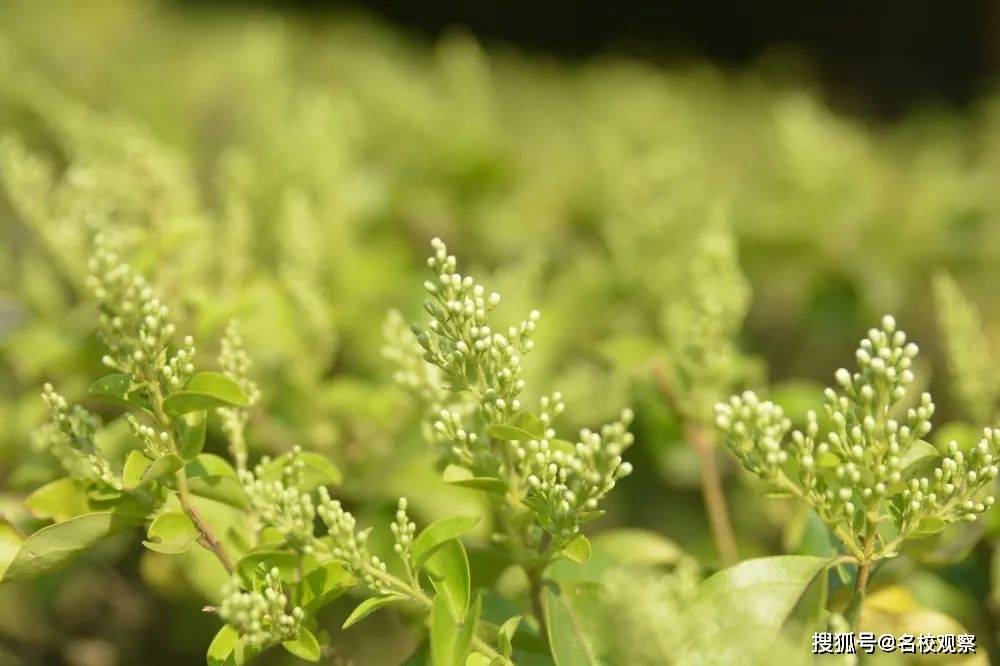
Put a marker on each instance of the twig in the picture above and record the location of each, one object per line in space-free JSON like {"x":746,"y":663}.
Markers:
{"x":713,"y":494}
{"x":535,"y":592}
{"x":208,"y":537}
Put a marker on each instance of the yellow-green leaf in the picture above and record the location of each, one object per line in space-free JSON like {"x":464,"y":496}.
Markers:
{"x":437,"y":533}
{"x":451,"y":640}
{"x":448,"y":570}
{"x":367,"y":607}
{"x":59,"y":500}
{"x":171,"y":532}
{"x":136,"y":464}
{"x":578,"y":549}
{"x":52,"y":547}
{"x":304,"y":646}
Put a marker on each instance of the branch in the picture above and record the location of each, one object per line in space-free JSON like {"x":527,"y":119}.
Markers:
{"x":713,"y":493}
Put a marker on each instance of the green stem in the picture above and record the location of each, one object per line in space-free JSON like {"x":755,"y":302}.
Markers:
{"x":713,"y":494}
{"x":535,"y":589}
{"x":700,"y":439}
{"x":853,"y":610}
{"x":865,"y":564}
{"x":207,"y":538}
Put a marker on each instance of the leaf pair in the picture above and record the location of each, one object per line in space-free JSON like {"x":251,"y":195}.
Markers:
{"x":206,"y":390}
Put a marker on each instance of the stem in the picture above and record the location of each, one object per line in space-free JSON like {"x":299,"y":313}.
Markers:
{"x":713,"y":494}
{"x":853,"y":610}
{"x":208,"y":538}
{"x":535,"y":594}
{"x":712,"y":491}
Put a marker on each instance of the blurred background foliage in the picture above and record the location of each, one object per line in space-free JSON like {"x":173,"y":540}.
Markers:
{"x":289,"y":170}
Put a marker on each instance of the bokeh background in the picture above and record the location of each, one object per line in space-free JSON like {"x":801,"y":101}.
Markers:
{"x":287,"y":164}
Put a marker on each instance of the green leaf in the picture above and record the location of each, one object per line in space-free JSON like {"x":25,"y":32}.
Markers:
{"x":448,"y":570}
{"x":437,"y":533}
{"x":209,"y":464}
{"x":262,"y":562}
{"x":927,"y":526}
{"x":52,"y":547}
{"x":743,"y":609}
{"x":578,"y":549}
{"x":506,"y":633}
{"x":828,"y":459}
{"x":136,"y":464}
{"x":451,"y":640}
{"x":459,"y":476}
{"x":571,"y":638}
{"x":509,"y":433}
{"x":530,"y":423}
{"x":486,"y":484}
{"x":222,"y":646}
{"x":917,"y":454}
{"x":587,"y":516}
{"x":10,"y":544}
{"x":637,"y":546}
{"x":563,"y":445}
{"x":206,"y":390}
{"x":191,"y":428}
{"x":322,"y":585}
{"x":367,"y":607}
{"x":171,"y":532}
{"x":304,"y":646}
{"x":318,"y":470}
{"x":59,"y":500}
{"x":223,"y":489}
{"x":161,"y":467}
{"x":116,"y":389}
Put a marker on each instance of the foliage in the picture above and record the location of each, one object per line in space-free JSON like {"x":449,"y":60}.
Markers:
{"x":286,"y":173}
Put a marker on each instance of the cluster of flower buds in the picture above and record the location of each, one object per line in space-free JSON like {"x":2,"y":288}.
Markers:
{"x":950,"y":493}
{"x":262,"y":618}
{"x":565,"y":482}
{"x":461,"y":342}
{"x":403,"y":530}
{"x":406,"y":355}
{"x":155,"y":443}
{"x":236,"y":364}
{"x":971,"y":364}
{"x":282,"y":503}
{"x":754,"y":430}
{"x":71,"y":439}
{"x":349,"y":547}
{"x":865,"y":467}
{"x":701,"y":321}
{"x":135,"y":325}
{"x":461,"y":446}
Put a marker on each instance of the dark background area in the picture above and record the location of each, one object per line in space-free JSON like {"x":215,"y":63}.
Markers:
{"x":875,"y":59}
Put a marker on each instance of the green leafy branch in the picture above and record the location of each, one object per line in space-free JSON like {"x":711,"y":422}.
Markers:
{"x":870,"y":476}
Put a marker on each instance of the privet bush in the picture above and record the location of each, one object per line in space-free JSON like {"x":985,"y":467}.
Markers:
{"x":868,"y":472}
{"x":286,"y":173}
{"x":290,"y":547}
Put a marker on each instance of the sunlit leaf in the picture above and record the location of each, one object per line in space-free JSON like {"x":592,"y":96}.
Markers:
{"x":437,"y":533}
{"x":171,"y":532}
{"x":448,"y":570}
{"x":52,"y":547}
{"x":304,"y":646}
{"x":367,"y":607}
{"x":451,"y":639}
